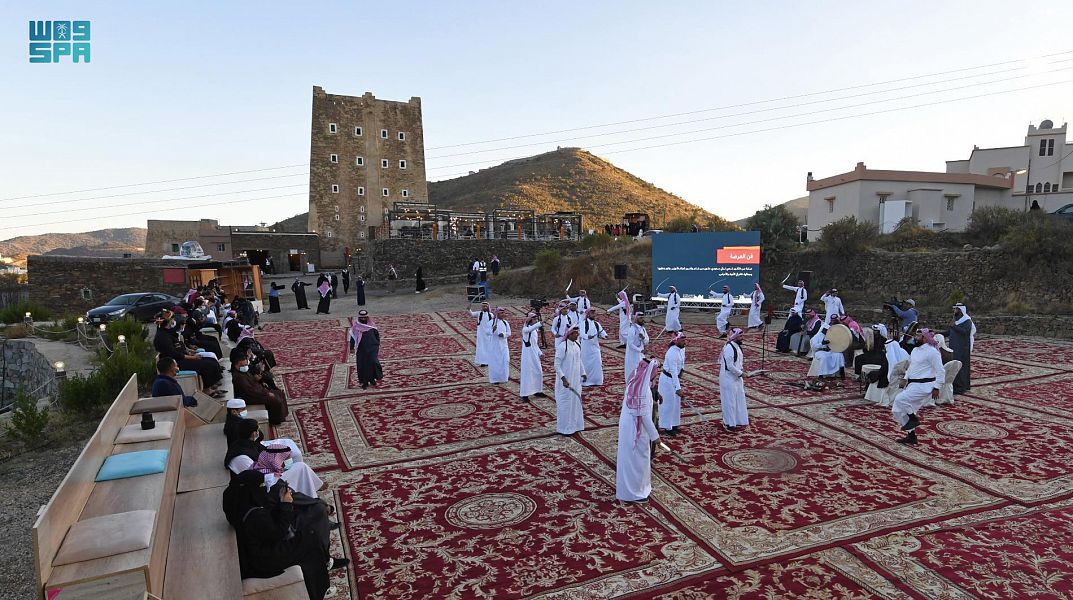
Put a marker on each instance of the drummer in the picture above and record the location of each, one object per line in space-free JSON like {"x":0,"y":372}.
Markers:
{"x":857,"y":337}
{"x":826,"y":364}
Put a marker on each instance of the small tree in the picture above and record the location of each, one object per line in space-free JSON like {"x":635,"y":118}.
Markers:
{"x":989,"y":224}
{"x":778,"y":229}
{"x":848,"y":236}
{"x":27,"y":421}
{"x":679,"y":225}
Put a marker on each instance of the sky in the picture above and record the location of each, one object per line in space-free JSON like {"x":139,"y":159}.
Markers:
{"x":185,"y":91}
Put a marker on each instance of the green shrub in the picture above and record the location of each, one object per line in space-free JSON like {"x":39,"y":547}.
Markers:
{"x":988,"y":225}
{"x":679,"y":225}
{"x":778,"y":229}
{"x":548,"y":260}
{"x":14,"y":313}
{"x":82,"y":395}
{"x":1039,"y":239}
{"x":28,"y":422}
{"x":596,"y":241}
{"x":848,"y":236}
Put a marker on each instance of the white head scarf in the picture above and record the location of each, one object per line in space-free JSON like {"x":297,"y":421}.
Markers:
{"x":965,"y":317}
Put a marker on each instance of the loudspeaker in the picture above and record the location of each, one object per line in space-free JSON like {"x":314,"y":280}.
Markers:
{"x":620,"y":271}
{"x":805,"y":276}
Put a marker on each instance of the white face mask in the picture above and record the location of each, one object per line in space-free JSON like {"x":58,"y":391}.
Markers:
{"x":243,"y":368}
{"x":244,"y":414}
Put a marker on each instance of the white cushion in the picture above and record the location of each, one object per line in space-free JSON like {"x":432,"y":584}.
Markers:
{"x":253,"y":585}
{"x":106,"y":535}
{"x":132,"y":434}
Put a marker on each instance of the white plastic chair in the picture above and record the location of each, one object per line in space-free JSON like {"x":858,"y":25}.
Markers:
{"x":946,"y":395}
{"x":897,"y":378}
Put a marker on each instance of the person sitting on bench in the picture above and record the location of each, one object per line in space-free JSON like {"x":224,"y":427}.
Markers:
{"x":249,"y":451}
{"x":250,"y":385}
{"x":236,"y":412}
{"x":165,"y":383}
{"x":278,"y":528}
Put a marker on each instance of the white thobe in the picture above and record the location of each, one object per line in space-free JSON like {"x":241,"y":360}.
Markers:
{"x":800,"y":295}
{"x":561,"y":323}
{"x":832,"y":305}
{"x":674,"y":310}
{"x":725,"y":307}
{"x":591,"y":357}
{"x":298,"y":476}
{"x":576,"y":318}
{"x":569,"y":416}
{"x":498,"y":352}
{"x":532,"y":379}
{"x":756,"y":318}
{"x":484,"y":326}
{"x":670,"y":410}
{"x":732,"y":386}
{"x":828,"y":362}
{"x":636,"y":340}
{"x":583,"y":303}
{"x":623,"y":321}
{"x":924,"y":362}
{"x":633,"y":463}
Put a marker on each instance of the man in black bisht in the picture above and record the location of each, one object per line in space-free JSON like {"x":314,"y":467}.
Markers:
{"x":365,"y":341}
{"x":359,"y":285}
{"x":299,"y":289}
{"x":345,"y":274}
{"x":334,"y":280}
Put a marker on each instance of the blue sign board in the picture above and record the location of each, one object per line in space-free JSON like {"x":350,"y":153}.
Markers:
{"x":696,"y":263}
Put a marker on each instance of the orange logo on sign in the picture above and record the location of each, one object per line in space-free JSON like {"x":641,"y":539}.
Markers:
{"x":738,"y":255}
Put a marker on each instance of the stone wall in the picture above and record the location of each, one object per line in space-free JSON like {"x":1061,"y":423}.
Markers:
{"x":445,"y":258}
{"x":27,"y":369}
{"x":58,"y":282}
{"x":986,"y":280}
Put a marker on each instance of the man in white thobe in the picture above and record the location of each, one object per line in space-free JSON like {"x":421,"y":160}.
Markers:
{"x":576,"y":316}
{"x":732,"y":384}
{"x":800,"y":295}
{"x":591,"y":334}
{"x":673,"y":322}
{"x":582,"y":301}
{"x":562,"y":321}
{"x":670,"y":385}
{"x":569,"y":377}
{"x":625,"y":316}
{"x":832,"y":305}
{"x":636,"y":434}
{"x":756,"y":318}
{"x":484,"y":325}
{"x":532,"y":378}
{"x":726,"y":305}
{"x":925,"y":377}
{"x":499,"y":349}
{"x":824,"y":362}
{"x":636,"y":340}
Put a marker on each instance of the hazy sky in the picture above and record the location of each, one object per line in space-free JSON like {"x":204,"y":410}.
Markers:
{"x":190,"y":89}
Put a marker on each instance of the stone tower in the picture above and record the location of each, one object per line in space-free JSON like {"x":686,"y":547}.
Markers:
{"x":364,"y":155}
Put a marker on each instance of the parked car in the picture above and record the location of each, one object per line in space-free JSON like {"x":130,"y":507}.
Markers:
{"x":142,"y":305}
{"x":1066,"y":212}
{"x":651,"y":232}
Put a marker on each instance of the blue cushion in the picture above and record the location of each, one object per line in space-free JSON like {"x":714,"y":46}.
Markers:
{"x":187,"y":372}
{"x":133,"y":464}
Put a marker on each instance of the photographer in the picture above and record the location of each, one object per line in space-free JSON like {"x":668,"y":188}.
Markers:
{"x":905,"y":311}
{"x":249,"y":385}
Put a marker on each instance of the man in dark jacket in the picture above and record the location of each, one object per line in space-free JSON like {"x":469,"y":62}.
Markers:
{"x":248,"y":386}
{"x":165,"y":383}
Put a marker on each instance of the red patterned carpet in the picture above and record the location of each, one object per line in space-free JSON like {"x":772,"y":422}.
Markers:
{"x":449,"y":487}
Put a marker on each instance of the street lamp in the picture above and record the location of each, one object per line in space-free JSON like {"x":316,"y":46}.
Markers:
{"x":122,"y":339}
{"x":60,"y":369}
{"x":103,"y":327}
{"x":28,"y":319}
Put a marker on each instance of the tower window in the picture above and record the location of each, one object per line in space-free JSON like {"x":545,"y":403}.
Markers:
{"x":332,"y":128}
{"x":336,"y":217}
{"x":949,"y":203}
{"x":383,"y":133}
{"x":361,"y":218}
{"x":386,"y":192}
{"x":384,"y":163}
{"x":1039,"y":187}
{"x":361,"y":208}
{"x":361,"y":191}
{"x":1046,"y":147}
{"x":333,"y":157}
{"x":360,"y":161}
{"x":402,"y":164}
{"x":1047,"y":186}
{"x":405,"y":193}
{"x":335,"y":188}
{"x":357,"y":131}
{"x":830,"y":204}
{"x":402,"y":136}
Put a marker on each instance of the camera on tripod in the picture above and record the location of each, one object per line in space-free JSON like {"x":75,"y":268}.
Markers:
{"x":538,"y":303}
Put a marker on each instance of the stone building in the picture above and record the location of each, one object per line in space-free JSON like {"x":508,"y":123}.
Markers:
{"x":290,"y":252}
{"x":165,"y":237}
{"x":364,"y":155}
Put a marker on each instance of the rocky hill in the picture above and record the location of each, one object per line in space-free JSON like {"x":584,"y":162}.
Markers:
{"x":104,"y":242}
{"x":797,"y":206}
{"x":295,"y":224}
{"x":568,"y":179}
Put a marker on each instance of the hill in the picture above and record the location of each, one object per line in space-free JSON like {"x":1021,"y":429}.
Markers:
{"x":295,"y":224}
{"x":104,"y":242}
{"x":798,"y":206}
{"x":568,"y":179}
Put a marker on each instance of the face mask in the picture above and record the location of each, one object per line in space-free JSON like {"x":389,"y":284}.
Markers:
{"x":171,"y":325}
{"x":244,"y":413}
{"x":243,"y":368}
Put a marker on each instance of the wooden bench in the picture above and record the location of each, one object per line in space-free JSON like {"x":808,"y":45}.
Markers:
{"x":79,"y":497}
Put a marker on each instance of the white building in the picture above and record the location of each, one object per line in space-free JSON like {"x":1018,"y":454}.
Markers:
{"x":1041,"y":170}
